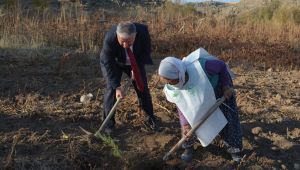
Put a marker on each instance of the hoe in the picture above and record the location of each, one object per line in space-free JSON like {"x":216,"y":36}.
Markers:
{"x":110,"y":114}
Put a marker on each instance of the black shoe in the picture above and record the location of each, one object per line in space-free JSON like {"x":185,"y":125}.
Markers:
{"x":152,"y":123}
{"x":237,"y":157}
{"x":236,"y":154}
{"x":188,"y":154}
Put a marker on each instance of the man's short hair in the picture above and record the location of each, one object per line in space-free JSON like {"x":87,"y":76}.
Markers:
{"x":126,"y":29}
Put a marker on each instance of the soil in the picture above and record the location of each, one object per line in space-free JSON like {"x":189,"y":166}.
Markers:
{"x":41,"y":113}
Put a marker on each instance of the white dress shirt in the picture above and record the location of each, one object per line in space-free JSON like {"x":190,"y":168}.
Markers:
{"x":127,"y":62}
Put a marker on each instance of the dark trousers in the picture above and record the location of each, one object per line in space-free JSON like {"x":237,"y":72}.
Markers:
{"x":144,"y":97}
{"x":231,"y":133}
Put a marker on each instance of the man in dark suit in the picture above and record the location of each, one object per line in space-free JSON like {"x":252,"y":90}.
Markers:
{"x":127,"y":48}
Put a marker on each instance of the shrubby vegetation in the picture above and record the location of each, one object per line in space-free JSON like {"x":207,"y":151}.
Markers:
{"x":276,"y":11}
{"x":80,"y":27}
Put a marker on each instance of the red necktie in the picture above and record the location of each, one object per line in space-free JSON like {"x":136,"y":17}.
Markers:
{"x":135,"y":70}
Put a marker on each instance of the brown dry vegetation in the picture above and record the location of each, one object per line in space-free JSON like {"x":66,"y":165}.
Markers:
{"x":49,"y":59}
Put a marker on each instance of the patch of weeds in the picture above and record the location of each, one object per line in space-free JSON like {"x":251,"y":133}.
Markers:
{"x":107,"y":140}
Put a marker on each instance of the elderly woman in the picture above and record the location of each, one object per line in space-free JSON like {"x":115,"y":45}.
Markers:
{"x":207,"y":78}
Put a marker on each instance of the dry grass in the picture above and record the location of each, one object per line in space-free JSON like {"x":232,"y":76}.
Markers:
{"x":70,"y":28}
{"x":175,"y":30}
{"x":10,"y":158}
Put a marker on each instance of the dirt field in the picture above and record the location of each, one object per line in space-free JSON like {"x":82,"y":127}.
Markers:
{"x":40,"y":115}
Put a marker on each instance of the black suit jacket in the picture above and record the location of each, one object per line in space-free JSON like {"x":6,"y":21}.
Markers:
{"x":113,"y":56}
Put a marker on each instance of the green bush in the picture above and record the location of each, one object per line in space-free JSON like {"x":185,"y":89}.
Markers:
{"x":264,"y":14}
{"x":274,"y":5}
{"x":40,"y":4}
{"x":282,"y":15}
{"x":296,"y":16}
{"x":267,"y":12}
{"x":177,"y":9}
{"x":10,"y":3}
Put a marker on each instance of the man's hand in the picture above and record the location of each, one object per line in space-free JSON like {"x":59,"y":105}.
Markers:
{"x":120,"y":93}
{"x":132,"y":75}
{"x":227,"y":92}
{"x":185,"y":129}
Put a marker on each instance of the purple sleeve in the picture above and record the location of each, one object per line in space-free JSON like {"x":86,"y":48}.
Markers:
{"x":182,"y":119}
{"x":218,"y":67}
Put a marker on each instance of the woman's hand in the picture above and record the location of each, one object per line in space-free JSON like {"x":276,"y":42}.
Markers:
{"x":185,"y":129}
{"x":227,"y":92}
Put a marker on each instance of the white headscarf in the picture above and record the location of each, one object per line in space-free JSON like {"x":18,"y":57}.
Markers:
{"x":173,"y":68}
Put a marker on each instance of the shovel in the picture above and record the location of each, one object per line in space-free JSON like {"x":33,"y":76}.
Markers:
{"x":206,"y":116}
{"x":110,"y":114}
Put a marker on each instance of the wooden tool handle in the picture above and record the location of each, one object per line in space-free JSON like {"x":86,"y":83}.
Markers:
{"x":205,"y":117}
